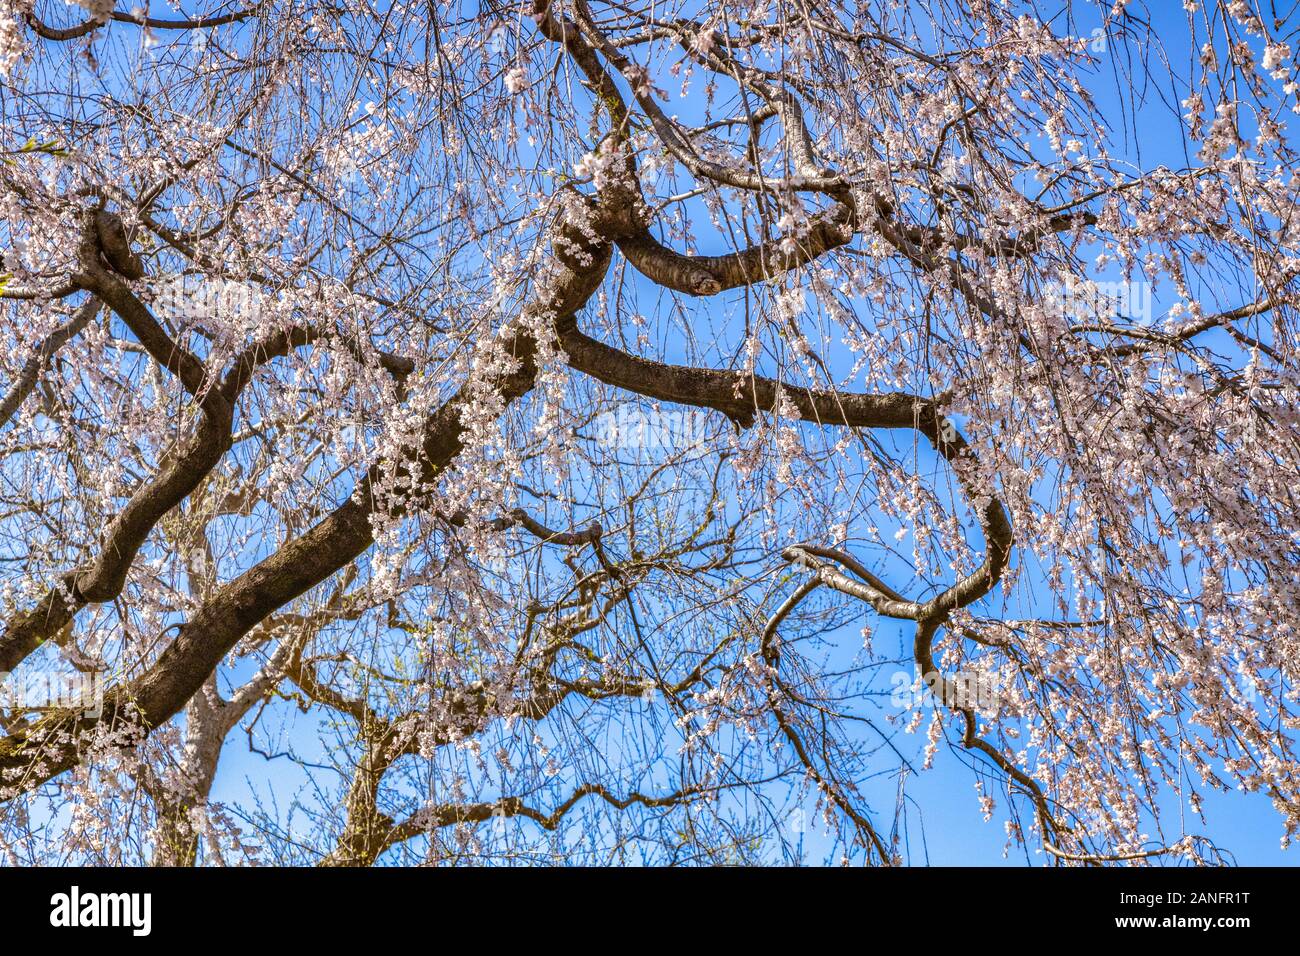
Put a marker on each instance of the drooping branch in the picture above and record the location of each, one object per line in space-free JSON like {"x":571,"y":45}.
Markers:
{"x":740,"y":395}
{"x":448,"y":815}
{"x":39,"y":751}
{"x":709,"y":275}
{"x":63,"y":34}
{"x":26,"y":379}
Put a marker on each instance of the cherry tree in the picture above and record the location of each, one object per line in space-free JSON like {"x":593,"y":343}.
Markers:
{"x":544,"y":431}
